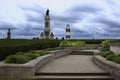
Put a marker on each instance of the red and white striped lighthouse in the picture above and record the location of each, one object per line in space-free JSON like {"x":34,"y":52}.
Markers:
{"x":67,"y":32}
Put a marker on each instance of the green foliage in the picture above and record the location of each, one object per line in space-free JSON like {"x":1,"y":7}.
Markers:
{"x":81,"y":43}
{"x":106,"y":43}
{"x":21,"y":57}
{"x":17,"y":59}
{"x":72,"y":43}
{"x":110,"y":57}
{"x":11,"y":47}
{"x":31,"y":55}
{"x":105,"y":54}
{"x":42,"y":52}
{"x":116,"y":59}
{"x":65,"y":44}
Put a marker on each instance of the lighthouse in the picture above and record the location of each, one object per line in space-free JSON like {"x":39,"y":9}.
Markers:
{"x":68,"y":32}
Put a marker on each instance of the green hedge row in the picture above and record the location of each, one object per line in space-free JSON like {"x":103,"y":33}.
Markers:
{"x":11,"y":50}
{"x":90,"y":41}
{"x":72,"y":43}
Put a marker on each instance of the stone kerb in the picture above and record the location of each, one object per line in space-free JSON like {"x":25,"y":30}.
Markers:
{"x":25,"y":71}
{"x":85,"y":47}
{"x":60,"y":53}
{"x":109,"y":66}
{"x":81,"y":52}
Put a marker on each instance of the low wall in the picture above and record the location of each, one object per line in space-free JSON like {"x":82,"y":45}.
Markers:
{"x":25,"y":71}
{"x":80,"y":52}
{"x":109,"y":66}
{"x":86,"y":47}
{"x":60,"y":53}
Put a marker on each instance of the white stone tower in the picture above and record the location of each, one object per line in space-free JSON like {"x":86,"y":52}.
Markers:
{"x":47,"y":34}
{"x":67,"y":32}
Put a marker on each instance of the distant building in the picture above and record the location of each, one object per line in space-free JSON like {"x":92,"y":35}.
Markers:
{"x":47,"y":34}
{"x":67,"y":32}
{"x":9,"y":34}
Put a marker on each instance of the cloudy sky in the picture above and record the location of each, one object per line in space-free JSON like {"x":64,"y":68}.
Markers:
{"x":88,"y":19}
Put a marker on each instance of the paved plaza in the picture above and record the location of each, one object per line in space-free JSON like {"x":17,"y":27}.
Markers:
{"x":72,"y":64}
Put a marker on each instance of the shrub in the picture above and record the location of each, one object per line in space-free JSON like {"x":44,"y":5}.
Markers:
{"x":31,"y":55}
{"x":116,"y":59}
{"x":106,"y":43}
{"x":81,"y":43}
{"x":111,"y":57}
{"x":16,"y":59}
{"x":105,"y":54}
{"x":72,"y":43}
{"x":19,"y":53}
{"x":42,"y":52}
{"x":32,"y":51}
{"x":65,"y":44}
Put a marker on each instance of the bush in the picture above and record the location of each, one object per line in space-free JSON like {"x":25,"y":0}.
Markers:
{"x":111,"y":57}
{"x":72,"y":43}
{"x":42,"y":52}
{"x":116,"y":59}
{"x":81,"y":43}
{"x":19,"y":53}
{"x":106,"y":43}
{"x":105,"y":54}
{"x":31,"y":55}
{"x":21,"y":57}
{"x":65,"y":44}
{"x":16,"y":59}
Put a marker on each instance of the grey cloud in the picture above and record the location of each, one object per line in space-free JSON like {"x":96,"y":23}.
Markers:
{"x":37,"y":19}
{"x":108,"y":22}
{"x":6,"y":26}
{"x":36,"y":8}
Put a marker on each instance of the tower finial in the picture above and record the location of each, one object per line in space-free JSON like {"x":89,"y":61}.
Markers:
{"x":47,"y":12}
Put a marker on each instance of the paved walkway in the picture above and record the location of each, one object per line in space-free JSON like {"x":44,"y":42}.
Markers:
{"x":72,"y":64}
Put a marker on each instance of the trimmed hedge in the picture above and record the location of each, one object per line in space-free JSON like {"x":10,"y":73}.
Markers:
{"x":90,"y":41}
{"x":72,"y":43}
{"x":35,"y":45}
